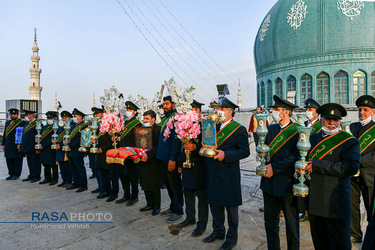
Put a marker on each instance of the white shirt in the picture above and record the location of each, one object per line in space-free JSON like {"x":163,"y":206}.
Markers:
{"x":225,"y":124}
{"x":309,"y":125}
{"x":284,"y":126}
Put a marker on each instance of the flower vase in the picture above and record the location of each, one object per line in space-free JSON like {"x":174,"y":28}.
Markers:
{"x":55,"y":136}
{"x":38,"y":137}
{"x":262,"y":148}
{"x":187,"y":163}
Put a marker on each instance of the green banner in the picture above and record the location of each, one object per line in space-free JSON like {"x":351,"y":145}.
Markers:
{"x":328,"y":144}
{"x":128,"y":128}
{"x":282,"y":137}
{"x":29,"y":126}
{"x":11,"y":126}
{"x":46,"y":131}
{"x":227,"y":131}
{"x":76,"y":130}
{"x":316,"y":127}
{"x":367,"y":138}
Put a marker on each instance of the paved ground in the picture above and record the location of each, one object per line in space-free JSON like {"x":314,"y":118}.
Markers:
{"x":129,"y":228}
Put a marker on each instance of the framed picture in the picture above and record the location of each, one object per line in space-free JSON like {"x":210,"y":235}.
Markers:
{"x":209,"y":133}
{"x":143,"y":137}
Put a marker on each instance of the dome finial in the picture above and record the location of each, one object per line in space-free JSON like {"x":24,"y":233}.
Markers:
{"x":34,"y":34}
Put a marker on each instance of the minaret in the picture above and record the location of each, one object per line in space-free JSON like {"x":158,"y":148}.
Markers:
{"x":93,"y":101}
{"x":239,"y":98}
{"x":35,"y":88}
{"x":56,"y":108}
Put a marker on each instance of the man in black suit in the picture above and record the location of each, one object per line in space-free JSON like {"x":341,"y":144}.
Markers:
{"x":194,"y":181}
{"x":28,"y":147}
{"x":14,"y":158}
{"x":369,"y":240}
{"x":278,"y":182}
{"x":363,"y":182}
{"x":333,"y":158}
{"x":224,"y":177}
{"x":149,"y":167}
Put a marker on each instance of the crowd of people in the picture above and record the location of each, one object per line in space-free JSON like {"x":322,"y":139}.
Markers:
{"x":341,"y":166}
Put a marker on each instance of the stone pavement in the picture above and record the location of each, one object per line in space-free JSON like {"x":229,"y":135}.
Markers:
{"x":128,"y":228}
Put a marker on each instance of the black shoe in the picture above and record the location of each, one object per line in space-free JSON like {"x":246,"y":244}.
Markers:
{"x":61,"y":184}
{"x":35,"y":180}
{"x":185,"y":223}
{"x":355,"y":240}
{"x":44,"y":182}
{"x":81,"y":189}
{"x":9,"y":178}
{"x":122,"y":200}
{"x":144,"y":209}
{"x":303,"y":218}
{"x":227,"y":246}
{"x":102,"y":195}
{"x":53,"y":182}
{"x":111,"y":198}
{"x":155,"y":212}
{"x":71,"y":187}
{"x":212,"y":237}
{"x":15,"y":178}
{"x":92,"y":177}
{"x":27,"y":179}
{"x":131,"y":202}
{"x":96,"y":191}
{"x":167,"y":212}
{"x":67,"y":185}
{"x":198,"y":231}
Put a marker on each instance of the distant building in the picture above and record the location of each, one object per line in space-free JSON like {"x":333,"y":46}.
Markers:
{"x":323,"y":49}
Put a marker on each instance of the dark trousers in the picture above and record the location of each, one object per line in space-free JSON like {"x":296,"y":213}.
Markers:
{"x":110,"y":181}
{"x":328,"y":233}
{"x":369,"y":240}
{"x":50,"y":172}
{"x":218,"y":219}
{"x":33,"y":162}
{"x":153,"y":198}
{"x":202,"y":206}
{"x":130,"y":180}
{"x":272,"y":207}
{"x":78,"y":172}
{"x":96,"y":173}
{"x":256,"y":138}
{"x":14,"y":166}
{"x":174,"y":188}
{"x":358,"y":187}
{"x":65,"y":172}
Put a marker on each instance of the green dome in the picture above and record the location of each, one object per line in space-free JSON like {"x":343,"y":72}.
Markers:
{"x":330,"y":35}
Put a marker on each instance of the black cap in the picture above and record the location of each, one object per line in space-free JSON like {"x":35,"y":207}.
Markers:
{"x":279,"y":102}
{"x":29,"y":112}
{"x":196,"y":104}
{"x":77,"y":112}
{"x":130,"y":105}
{"x":66,"y":113}
{"x":13,"y":111}
{"x":96,"y":110}
{"x":168,"y":98}
{"x":311,"y":103}
{"x":226,"y":103}
{"x":332,"y":110}
{"x":52,"y":115}
{"x":365,"y":100}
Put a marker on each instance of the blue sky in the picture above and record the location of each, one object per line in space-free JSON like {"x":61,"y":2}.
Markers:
{"x":89,"y":45}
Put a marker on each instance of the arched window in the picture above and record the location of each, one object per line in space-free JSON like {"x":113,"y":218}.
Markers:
{"x":373,"y":83}
{"x":306,"y":91}
{"x":262,"y":94}
{"x":269,"y":93}
{"x":341,"y":87}
{"x":322,"y":88}
{"x":359,"y":84}
{"x":279,"y":88}
{"x":291,"y":89}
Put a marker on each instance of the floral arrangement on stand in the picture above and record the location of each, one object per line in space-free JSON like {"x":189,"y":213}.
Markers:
{"x":112,"y":121}
{"x":145,"y":104}
{"x":186,"y":122}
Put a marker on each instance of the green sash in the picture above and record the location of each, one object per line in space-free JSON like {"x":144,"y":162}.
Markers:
{"x":282,"y":137}
{"x":367,"y":138}
{"x":11,"y":126}
{"x":29,"y":126}
{"x":227,"y":131}
{"x":316,"y":127}
{"x":128,"y":128}
{"x":328,"y":144}
{"x":76,"y":130}
{"x":166,"y":120}
{"x":61,"y":137}
{"x":46,"y":131}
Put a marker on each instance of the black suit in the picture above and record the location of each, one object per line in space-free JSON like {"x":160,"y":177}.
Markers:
{"x":364,"y":183}
{"x":150,"y":172}
{"x":48,"y":157}
{"x":277,"y":192}
{"x":28,"y":146}
{"x":224,"y":184}
{"x":330,"y":194}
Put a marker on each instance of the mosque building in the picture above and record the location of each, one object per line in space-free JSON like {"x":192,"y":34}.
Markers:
{"x":320,"y":49}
